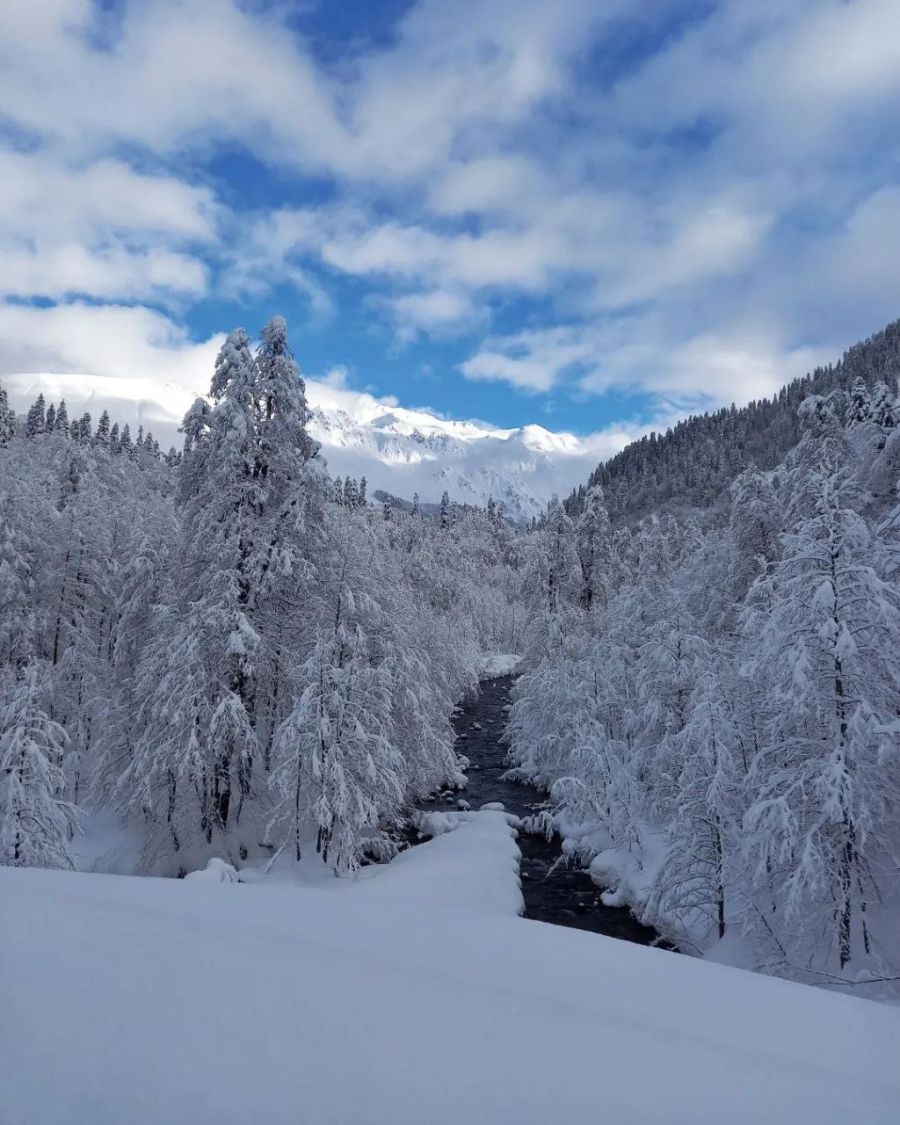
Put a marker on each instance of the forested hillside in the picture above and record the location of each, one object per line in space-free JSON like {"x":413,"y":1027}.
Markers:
{"x":221,"y":646}
{"x":694,"y":463}
{"x":716,"y":713}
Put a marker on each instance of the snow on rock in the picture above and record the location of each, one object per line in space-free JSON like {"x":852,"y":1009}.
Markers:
{"x":435,"y":823}
{"x":625,"y":878}
{"x":216,"y":871}
{"x":412,"y":993}
{"x":493,"y":806}
{"x":499,"y":664}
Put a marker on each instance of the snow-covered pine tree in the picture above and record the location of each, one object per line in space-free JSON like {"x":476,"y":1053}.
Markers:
{"x":695,"y":883}
{"x":335,"y":767}
{"x":859,"y":405}
{"x":102,"y":435}
{"x":823,"y":439}
{"x":36,"y":823}
{"x":35,"y":420}
{"x":7,"y":419}
{"x":18,"y":615}
{"x":61,"y":426}
{"x":824,"y":815}
{"x":593,"y":537}
{"x":251,"y":502}
{"x":884,"y":409}
{"x":555,"y":577}
{"x":350,"y":493}
{"x":754,"y":529}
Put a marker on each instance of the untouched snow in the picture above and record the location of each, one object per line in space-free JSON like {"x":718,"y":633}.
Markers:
{"x":411,"y":994}
{"x":499,"y":664}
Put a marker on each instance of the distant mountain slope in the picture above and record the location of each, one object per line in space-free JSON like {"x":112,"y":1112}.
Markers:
{"x":693,"y":463}
{"x":399,"y":451}
{"x":402,"y":452}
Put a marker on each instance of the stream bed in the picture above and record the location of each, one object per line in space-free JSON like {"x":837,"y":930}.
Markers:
{"x":565,"y":896}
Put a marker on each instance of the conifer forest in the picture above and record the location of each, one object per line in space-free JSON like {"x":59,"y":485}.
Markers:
{"x":238,"y":656}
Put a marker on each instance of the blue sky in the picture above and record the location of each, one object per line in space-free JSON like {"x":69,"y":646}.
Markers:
{"x":578,"y":213}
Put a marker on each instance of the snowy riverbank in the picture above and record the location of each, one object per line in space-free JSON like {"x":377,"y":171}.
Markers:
{"x":413,"y":993}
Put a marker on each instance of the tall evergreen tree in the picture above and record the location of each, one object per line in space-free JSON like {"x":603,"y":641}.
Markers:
{"x":62,"y":419}
{"x":7,"y":419}
{"x":825,"y":810}
{"x":35,"y":822}
{"x":34,"y":423}
{"x":593,"y":536}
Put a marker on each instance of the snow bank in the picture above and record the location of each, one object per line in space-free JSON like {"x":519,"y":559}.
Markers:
{"x":499,"y":664}
{"x":411,"y":994}
{"x":216,"y":871}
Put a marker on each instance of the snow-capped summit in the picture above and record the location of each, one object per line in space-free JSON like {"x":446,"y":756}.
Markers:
{"x":403,"y":451}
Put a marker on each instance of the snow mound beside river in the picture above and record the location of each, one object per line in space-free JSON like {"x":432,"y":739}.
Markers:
{"x":499,"y":664}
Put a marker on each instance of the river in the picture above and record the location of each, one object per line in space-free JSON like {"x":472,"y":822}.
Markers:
{"x":565,"y":896}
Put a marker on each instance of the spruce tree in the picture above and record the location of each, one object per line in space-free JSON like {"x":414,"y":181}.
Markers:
{"x":35,"y":420}
{"x":35,"y":822}
{"x":7,"y":419}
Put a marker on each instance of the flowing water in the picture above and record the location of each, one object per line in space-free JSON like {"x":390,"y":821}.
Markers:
{"x":565,"y":895}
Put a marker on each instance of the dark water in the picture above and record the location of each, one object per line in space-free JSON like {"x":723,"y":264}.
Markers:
{"x":566,"y":896}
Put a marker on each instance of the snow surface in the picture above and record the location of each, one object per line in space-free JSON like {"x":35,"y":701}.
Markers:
{"x":411,"y":994}
{"x":499,"y":664}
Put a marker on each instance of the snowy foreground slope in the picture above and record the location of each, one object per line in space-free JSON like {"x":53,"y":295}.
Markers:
{"x":413,"y":994}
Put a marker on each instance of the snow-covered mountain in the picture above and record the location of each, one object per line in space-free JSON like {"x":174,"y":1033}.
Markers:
{"x":404,"y":451}
{"x":398,"y":450}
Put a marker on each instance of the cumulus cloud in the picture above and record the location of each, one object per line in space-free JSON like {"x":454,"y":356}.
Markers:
{"x":101,"y":230}
{"x":690,"y":208}
{"x":634,"y":357}
{"x":137,"y":363}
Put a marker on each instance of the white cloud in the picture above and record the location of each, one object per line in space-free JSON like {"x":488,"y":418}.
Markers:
{"x":70,"y":269}
{"x":136,"y":363}
{"x":685,"y":226}
{"x":103,"y":231}
{"x":635,"y":357}
{"x":44,"y":195}
{"x":437,"y":312}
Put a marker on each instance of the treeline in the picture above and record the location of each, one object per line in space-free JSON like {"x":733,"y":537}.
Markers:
{"x":213,"y":647}
{"x":716,"y":709}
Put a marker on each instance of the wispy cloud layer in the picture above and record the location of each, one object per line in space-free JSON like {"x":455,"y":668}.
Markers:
{"x":690,"y":204}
